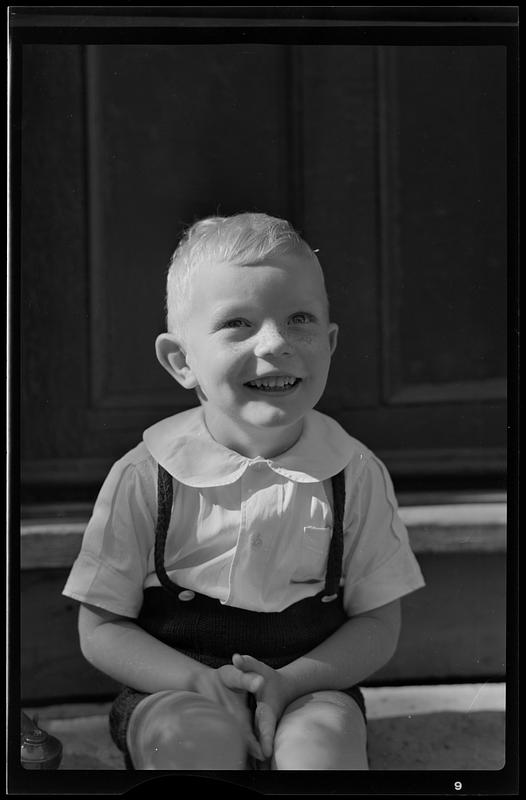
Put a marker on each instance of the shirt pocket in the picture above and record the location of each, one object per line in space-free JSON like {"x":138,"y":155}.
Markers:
{"x":312,"y":556}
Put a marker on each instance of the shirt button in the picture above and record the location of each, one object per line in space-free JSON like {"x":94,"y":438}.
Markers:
{"x":187,"y":594}
{"x":257,"y":540}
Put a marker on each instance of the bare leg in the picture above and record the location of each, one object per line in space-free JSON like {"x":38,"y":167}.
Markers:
{"x":184,"y":730}
{"x":321,"y":731}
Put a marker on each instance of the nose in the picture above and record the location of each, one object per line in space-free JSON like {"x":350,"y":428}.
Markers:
{"x":272,"y":341}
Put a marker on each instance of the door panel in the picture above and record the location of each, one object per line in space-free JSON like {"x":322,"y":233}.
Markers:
{"x":174,"y":133}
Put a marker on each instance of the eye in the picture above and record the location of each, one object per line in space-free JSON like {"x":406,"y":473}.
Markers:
{"x":235,"y":323}
{"x":301,"y":318}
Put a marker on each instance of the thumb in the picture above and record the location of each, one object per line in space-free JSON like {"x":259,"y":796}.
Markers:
{"x":238,"y":680}
{"x":249,"y":664}
{"x":265,"y":722}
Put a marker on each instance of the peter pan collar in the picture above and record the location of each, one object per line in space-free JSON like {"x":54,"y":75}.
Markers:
{"x":185,"y":448}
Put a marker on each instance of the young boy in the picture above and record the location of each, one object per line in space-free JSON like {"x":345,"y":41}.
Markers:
{"x":243,"y":567}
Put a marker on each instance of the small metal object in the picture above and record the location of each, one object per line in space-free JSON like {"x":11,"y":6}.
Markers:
{"x":328,"y":598}
{"x":38,"y":749}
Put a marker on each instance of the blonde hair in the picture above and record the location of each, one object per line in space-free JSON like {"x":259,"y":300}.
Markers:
{"x":240,"y":239}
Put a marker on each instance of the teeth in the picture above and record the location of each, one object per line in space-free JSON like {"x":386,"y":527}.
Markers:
{"x":277,"y":382}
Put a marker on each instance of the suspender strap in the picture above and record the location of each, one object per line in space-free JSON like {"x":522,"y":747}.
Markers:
{"x":334,"y":560}
{"x":164,"y":511}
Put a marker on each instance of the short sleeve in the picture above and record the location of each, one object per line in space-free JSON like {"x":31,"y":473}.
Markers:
{"x":111,"y":567}
{"x":379,"y":565}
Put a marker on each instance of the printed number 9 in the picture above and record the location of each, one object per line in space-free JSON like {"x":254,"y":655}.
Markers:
{"x":458,"y":786}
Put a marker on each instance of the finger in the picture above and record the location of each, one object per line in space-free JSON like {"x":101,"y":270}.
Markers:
{"x":237,"y":680}
{"x":249,"y":664}
{"x":250,"y":681}
{"x":265,"y":721}
{"x":236,"y":706}
{"x":254,"y":748}
{"x":241,"y":713}
{"x":255,"y":682}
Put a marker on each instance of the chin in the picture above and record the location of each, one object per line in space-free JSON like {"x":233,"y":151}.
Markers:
{"x":274,"y":418}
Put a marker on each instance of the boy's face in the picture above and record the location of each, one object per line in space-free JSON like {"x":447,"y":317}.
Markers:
{"x":259,"y":341}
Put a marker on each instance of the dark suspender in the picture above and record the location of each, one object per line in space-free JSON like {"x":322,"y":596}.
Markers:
{"x":334,"y":561}
{"x":164,"y":510}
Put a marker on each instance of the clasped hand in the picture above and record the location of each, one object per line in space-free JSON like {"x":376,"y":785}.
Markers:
{"x":270,"y":689}
{"x":229,"y":685}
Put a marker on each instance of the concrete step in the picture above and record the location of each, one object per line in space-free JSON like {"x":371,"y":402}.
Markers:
{"x":51,"y":535}
{"x":445,"y":727}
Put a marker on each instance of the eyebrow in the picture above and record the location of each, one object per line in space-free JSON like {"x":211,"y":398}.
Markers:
{"x":234,"y":310}
{"x":238,"y":309}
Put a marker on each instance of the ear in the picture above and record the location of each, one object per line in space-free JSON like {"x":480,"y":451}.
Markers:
{"x":172,"y":357}
{"x":333,"y":336}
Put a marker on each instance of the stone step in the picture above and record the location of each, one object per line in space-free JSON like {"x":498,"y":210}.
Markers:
{"x":51,"y":535}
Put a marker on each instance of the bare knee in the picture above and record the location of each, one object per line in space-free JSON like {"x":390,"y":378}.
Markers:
{"x":184,"y":730}
{"x":321,"y":731}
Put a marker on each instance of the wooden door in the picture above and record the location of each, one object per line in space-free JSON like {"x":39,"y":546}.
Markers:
{"x":390,"y":160}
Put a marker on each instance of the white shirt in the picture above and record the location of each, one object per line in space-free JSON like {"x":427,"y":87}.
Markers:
{"x":253,"y":533}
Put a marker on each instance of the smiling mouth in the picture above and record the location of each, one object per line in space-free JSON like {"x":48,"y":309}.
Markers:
{"x":278,"y":383}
